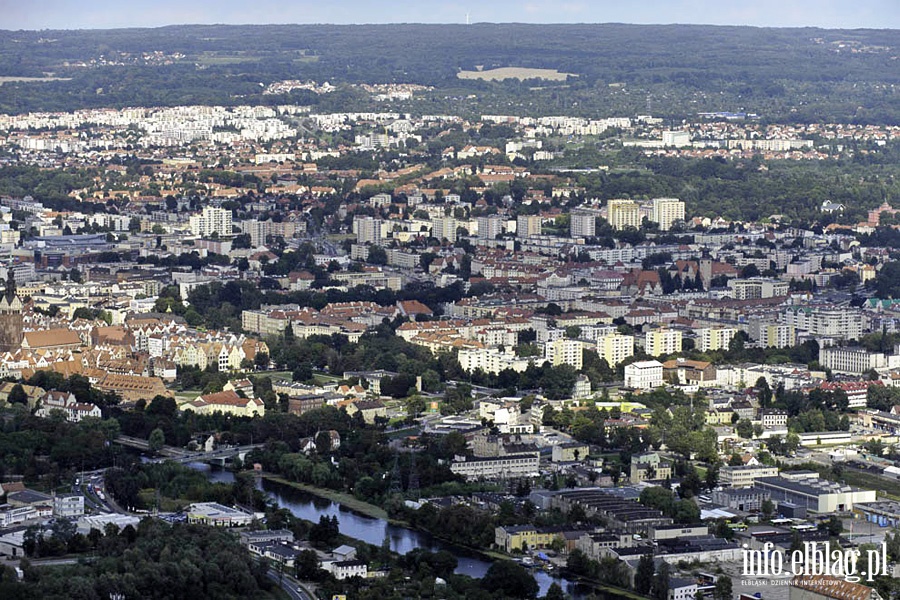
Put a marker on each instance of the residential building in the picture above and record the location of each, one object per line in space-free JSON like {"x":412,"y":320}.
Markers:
{"x":826,"y":321}
{"x":667,"y":211}
{"x":67,"y":404}
{"x":345,"y":569}
{"x":644,"y":375}
{"x":649,"y":467}
{"x":662,"y":341}
{"x":569,"y":452}
{"x":774,"y":418}
{"x":623,"y":213}
{"x":528,"y":225}
{"x":227,"y":402}
{"x":444,"y":228}
{"x":615,"y":348}
{"x":583,"y":223}
{"x":489,"y":227}
{"x":564,"y":351}
{"x":710,"y":339}
{"x":211,"y":220}
{"x":757,"y":288}
{"x":523,"y":537}
{"x":677,"y":139}
{"x":369,"y":230}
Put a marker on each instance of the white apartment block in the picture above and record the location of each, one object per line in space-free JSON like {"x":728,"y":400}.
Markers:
{"x":854,"y":360}
{"x":490,"y":227}
{"x":756,"y":288}
{"x":666,"y":211}
{"x":615,"y":348}
{"x":677,"y":139}
{"x":583,"y":223}
{"x":714,"y":338}
{"x":837,"y":322}
{"x":644,"y":375}
{"x":491,"y":360}
{"x":211,"y":220}
{"x":623,"y":213}
{"x":444,"y":228}
{"x":369,"y":230}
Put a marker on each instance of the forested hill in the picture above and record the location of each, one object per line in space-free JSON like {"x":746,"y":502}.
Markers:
{"x":787,"y":74}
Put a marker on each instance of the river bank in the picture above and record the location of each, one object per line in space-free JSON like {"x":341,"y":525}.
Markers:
{"x":472,"y":554}
{"x":376,"y":512}
{"x":351,"y":502}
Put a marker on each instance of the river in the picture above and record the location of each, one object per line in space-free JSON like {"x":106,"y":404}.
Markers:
{"x":374,"y":531}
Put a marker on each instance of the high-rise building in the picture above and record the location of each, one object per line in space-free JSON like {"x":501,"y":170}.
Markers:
{"x":662,"y":341}
{"x":715,"y":338}
{"x":444,"y":228}
{"x":623,"y":213}
{"x":369,"y":230}
{"x":490,"y":227}
{"x":564,"y":351}
{"x":666,"y":211}
{"x":583,"y":223}
{"x":211,"y":220}
{"x":615,"y":348}
{"x":679,"y":139}
{"x":528,"y":225}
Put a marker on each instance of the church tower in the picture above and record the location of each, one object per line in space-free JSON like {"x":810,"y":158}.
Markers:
{"x":10,"y":317}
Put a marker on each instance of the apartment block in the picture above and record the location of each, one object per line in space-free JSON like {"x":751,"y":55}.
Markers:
{"x":667,"y":211}
{"x":623,"y":213}
{"x":615,"y":348}
{"x":662,"y":341}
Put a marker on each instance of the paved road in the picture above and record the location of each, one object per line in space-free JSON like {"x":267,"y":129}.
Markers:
{"x":290,"y":585}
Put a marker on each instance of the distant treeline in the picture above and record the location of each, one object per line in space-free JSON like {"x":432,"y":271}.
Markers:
{"x":669,"y":70}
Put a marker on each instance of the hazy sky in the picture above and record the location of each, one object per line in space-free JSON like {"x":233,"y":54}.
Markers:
{"x":94,"y":14}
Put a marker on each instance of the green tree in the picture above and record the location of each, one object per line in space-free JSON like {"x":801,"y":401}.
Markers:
{"x":555,"y":592}
{"x":17,"y":395}
{"x":723,"y":589}
{"x":659,"y":588}
{"x":643,"y":577}
{"x":157,"y":440}
{"x":508,"y":579}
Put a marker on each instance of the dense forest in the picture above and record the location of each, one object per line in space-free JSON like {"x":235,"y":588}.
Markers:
{"x":783,"y":74}
{"x":154,"y":560}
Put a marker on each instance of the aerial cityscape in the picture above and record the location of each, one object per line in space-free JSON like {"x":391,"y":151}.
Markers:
{"x":410,"y":309}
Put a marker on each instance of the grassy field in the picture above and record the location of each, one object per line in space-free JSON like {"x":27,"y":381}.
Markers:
{"x":214,"y":58}
{"x":31,"y":79}
{"x":519,"y":73}
{"x":886,"y":487}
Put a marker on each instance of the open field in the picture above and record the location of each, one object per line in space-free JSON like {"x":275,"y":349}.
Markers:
{"x":31,"y":79}
{"x":519,"y":73}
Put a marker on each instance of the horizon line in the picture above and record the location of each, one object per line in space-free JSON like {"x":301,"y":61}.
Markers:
{"x":451,"y":23}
